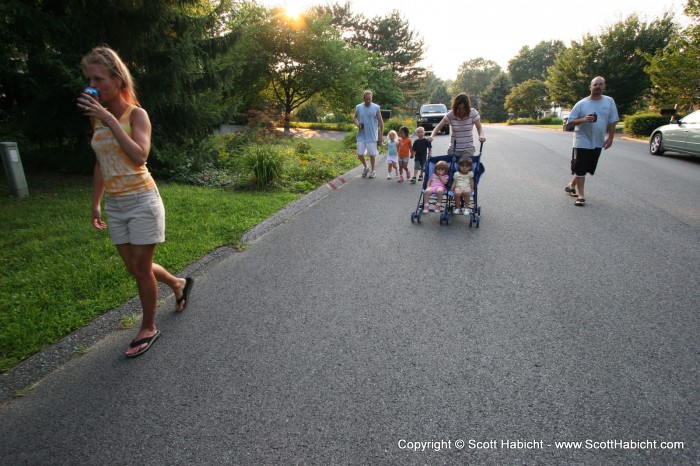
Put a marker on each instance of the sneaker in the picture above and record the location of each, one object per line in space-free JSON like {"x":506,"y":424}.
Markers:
{"x":467,"y":211}
{"x":408,"y":174}
{"x":420,"y":177}
{"x":437,"y":208}
{"x":413,"y":180}
{"x":373,"y":174}
{"x":364,"y":173}
{"x":457,"y":212}
{"x":401,"y":179}
{"x":426,"y":209}
{"x":388,"y":176}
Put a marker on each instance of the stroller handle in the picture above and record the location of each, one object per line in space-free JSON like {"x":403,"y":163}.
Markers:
{"x":481,"y":147}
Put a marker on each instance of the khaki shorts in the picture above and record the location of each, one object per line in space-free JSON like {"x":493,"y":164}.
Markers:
{"x":136,"y":218}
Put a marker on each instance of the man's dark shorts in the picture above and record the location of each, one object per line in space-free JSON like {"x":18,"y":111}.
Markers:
{"x":584,"y":161}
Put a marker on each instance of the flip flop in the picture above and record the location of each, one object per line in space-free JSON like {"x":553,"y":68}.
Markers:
{"x":579,"y":202}
{"x":149,"y":340}
{"x":185,"y":293}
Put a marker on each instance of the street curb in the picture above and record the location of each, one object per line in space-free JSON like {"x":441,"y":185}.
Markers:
{"x":298,"y":206}
{"x":30,"y":372}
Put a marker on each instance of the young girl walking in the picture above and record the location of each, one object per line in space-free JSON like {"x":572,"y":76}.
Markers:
{"x":392,"y":158}
{"x":404,"y":153}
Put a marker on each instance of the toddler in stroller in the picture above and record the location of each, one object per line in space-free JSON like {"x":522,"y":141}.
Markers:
{"x":454,"y":188}
{"x":437,"y":184}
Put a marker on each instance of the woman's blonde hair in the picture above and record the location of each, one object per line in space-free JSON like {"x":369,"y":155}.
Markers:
{"x":105,"y":56}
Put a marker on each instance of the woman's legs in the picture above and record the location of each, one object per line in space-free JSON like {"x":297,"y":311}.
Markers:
{"x":139,"y":263}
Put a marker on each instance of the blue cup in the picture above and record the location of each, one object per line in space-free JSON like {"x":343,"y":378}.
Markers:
{"x":92,"y":92}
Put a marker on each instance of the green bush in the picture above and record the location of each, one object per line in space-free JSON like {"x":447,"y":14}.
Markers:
{"x":265,"y":163}
{"x":216,"y":161}
{"x":310,"y":112}
{"x":523,"y":121}
{"x":350,"y":140}
{"x":642,"y":124}
{"x":302,"y":148}
{"x":396,"y":123}
{"x":550,"y":120}
{"x":331,"y":126}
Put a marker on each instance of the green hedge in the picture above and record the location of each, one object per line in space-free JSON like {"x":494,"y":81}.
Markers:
{"x":642,"y":124}
{"x":396,"y":123}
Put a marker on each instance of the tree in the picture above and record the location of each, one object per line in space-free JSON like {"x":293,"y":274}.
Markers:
{"x":306,"y":57}
{"x":617,"y":54}
{"x":375,"y":75}
{"x":434,"y":91}
{"x":392,"y":38}
{"x":473,"y":77}
{"x":172,"y":48}
{"x":531,"y":97}
{"x":533,"y":63}
{"x":389,"y":37}
{"x":675,"y":70}
{"x":494,"y":99}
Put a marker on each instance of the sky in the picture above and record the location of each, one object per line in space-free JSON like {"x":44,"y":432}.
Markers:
{"x":455,"y":31}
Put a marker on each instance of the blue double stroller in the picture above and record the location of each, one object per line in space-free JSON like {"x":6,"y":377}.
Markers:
{"x":448,"y":206}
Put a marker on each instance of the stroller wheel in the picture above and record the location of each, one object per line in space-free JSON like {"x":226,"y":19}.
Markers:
{"x":413,"y":217}
{"x":470,"y":222}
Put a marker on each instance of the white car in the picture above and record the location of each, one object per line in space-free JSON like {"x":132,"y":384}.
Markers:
{"x":681,"y":136}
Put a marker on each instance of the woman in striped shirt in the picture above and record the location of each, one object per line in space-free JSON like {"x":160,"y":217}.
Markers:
{"x":462,"y":120}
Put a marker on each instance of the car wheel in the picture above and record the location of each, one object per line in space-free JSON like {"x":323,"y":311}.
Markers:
{"x":655,"y":144}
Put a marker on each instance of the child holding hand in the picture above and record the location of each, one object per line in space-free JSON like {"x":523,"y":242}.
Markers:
{"x":404,"y":153}
{"x":436,"y":185}
{"x":392,"y":158}
{"x":422,"y":147}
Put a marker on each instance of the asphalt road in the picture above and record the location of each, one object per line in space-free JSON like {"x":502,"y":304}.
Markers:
{"x":349,"y":335}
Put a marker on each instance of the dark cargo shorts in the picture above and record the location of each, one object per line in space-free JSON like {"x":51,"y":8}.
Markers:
{"x":584,"y":161}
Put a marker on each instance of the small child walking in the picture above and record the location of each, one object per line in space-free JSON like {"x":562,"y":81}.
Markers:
{"x":436,"y":185}
{"x":392,"y":158}
{"x":463,"y":185}
{"x":404,"y":153}
{"x":421,"y":149}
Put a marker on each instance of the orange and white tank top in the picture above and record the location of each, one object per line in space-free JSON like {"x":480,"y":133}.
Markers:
{"x":121,"y":175}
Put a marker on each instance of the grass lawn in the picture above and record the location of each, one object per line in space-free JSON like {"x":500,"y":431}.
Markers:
{"x":58,"y":273}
